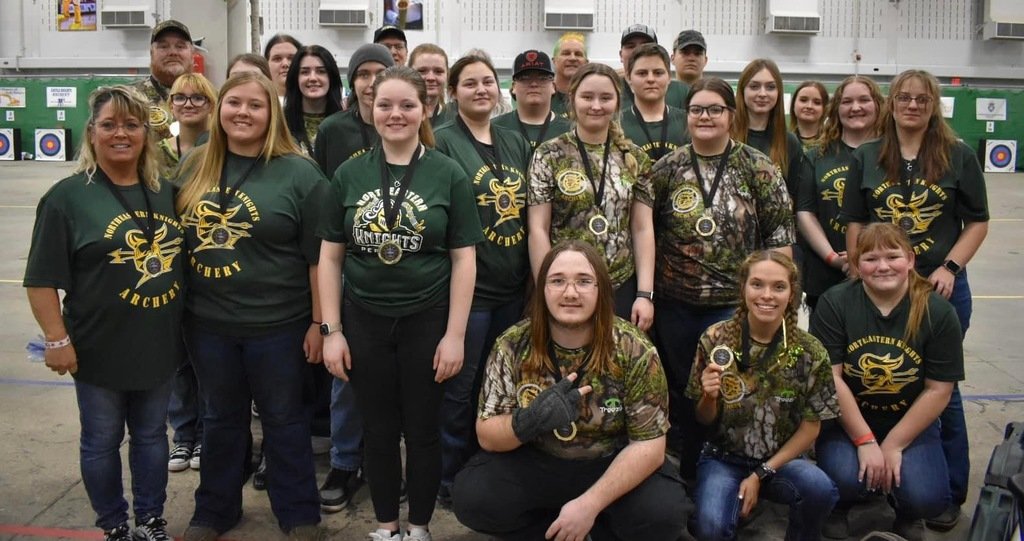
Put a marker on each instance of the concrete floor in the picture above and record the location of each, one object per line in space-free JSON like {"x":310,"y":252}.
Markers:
{"x":41,"y":493}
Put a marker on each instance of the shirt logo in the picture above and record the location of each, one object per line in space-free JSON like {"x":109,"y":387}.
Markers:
{"x":880,"y":375}
{"x":612,"y":406}
{"x":150,"y":260}
{"x":216,"y":231}
{"x":571,"y":182}
{"x":370,"y":228}
{"x":897,"y":209}
{"x":685,"y":200}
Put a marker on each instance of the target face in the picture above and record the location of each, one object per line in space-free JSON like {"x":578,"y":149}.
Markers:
{"x":50,"y":145}
{"x":5,"y":144}
{"x":1000,"y":155}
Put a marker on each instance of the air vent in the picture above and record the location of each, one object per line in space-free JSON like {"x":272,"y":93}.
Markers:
{"x":343,"y":15}
{"x":569,"y":14}
{"x":1003,"y":19}
{"x":126,"y":17}
{"x":997,"y":30}
{"x":792,"y":17}
{"x":810,"y":25}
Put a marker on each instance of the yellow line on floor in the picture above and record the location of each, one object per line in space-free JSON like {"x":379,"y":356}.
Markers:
{"x":10,"y":281}
{"x":999,"y":297}
{"x":1007,"y":220}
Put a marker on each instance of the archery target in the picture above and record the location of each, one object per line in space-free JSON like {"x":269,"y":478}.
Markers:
{"x":9,"y":147}
{"x":51,"y":145}
{"x":1000,"y":156}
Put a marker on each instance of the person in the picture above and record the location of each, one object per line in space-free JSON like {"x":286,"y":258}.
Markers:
{"x":432,"y":64}
{"x":191,"y":98}
{"x":347,"y":134}
{"x":495,"y":159}
{"x":569,"y":55}
{"x":393,"y":39}
{"x":251,"y":304}
{"x":109,"y":238}
{"x":807,"y":111}
{"x":632,"y":37}
{"x":654,"y":126}
{"x":689,"y":56}
{"x":170,"y":55}
{"x":312,"y":93}
{"x":279,"y":51}
{"x":584,"y":184}
{"x":851,"y":119}
{"x":249,"y":62}
{"x":763,"y":386}
{"x":714,"y":202}
{"x":896,"y":352}
{"x":396,"y":331}
{"x":947,"y":220}
{"x":532,"y":90}
{"x":572,"y":419}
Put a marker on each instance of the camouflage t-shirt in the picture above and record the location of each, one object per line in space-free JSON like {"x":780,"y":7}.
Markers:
{"x":160,"y":117}
{"x":311,"y":122}
{"x":632,"y":406}
{"x":751,"y":210}
{"x":760,"y":408}
{"x":557,"y":176}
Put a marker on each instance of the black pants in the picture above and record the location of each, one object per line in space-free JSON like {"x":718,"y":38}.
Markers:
{"x":518,"y":494}
{"x":393,"y":378}
{"x":625,"y":296}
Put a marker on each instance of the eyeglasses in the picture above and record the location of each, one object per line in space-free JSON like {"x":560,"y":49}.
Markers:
{"x":530,"y":79}
{"x":394,"y":46}
{"x":905,"y":99}
{"x":198,"y":100}
{"x":713,"y":111}
{"x":582,"y":285}
{"x":109,"y":127}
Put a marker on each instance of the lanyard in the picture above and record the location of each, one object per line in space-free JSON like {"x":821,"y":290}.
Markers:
{"x":149,"y":226}
{"x":391,"y":207}
{"x":747,"y":361}
{"x":493,"y":165}
{"x":598,"y":190}
{"x":907,"y":180}
{"x":709,"y":196}
{"x":223,"y":196}
{"x":662,"y":147}
{"x":543,"y":129}
{"x":363,"y":132}
{"x":581,"y":370}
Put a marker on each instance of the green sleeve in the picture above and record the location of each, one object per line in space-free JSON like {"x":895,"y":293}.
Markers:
{"x":820,"y":402}
{"x":944,"y":352}
{"x":807,"y":197}
{"x":971,"y":199}
{"x":694,"y":388}
{"x":51,"y":254}
{"x":320,"y":146}
{"x":331,"y":226}
{"x":646,"y":396}
{"x":312,"y":204}
{"x":795,"y":155}
{"x":855,"y":207}
{"x":828,"y":326}
{"x":463,"y":220}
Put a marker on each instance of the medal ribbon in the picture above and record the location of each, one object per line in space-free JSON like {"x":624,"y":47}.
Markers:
{"x":391,"y":207}
{"x":363,"y":131}
{"x":598,"y":191}
{"x":493,"y":165}
{"x":907,"y":180}
{"x":149,"y":226}
{"x":543,"y":129}
{"x":709,"y":196}
{"x":747,"y":361}
{"x":661,"y":149}
{"x":223,"y":197}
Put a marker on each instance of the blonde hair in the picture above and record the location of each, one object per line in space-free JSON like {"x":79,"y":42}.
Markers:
{"x":833,"y":124}
{"x":125,"y":101}
{"x":571,"y":36}
{"x":615,"y":134}
{"x":939,"y":138}
{"x":204,"y":165}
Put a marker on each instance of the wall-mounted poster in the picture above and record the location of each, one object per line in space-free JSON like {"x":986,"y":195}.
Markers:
{"x":12,"y":96}
{"x":405,"y":14}
{"x":76,"y":15}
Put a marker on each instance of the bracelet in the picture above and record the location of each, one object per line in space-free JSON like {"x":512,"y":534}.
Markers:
{"x":57,"y":344}
{"x":864,"y":440}
{"x":869,"y":442}
{"x":830,"y":258}
{"x":315,"y":322}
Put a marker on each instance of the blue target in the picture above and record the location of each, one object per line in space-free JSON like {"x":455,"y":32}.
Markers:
{"x":50,"y":145}
{"x":5,"y":144}
{"x":1000,"y":155}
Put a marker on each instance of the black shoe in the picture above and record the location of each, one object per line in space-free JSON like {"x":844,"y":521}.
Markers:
{"x":120,"y":533}
{"x":151,"y":529}
{"x":259,"y":479}
{"x":946,"y":521}
{"x":337,"y":490}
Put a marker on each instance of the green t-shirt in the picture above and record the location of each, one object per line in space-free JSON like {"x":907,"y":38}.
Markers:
{"x":938,"y":210}
{"x":124,"y":297}
{"x":502,"y":260}
{"x":760,"y":408}
{"x":675,"y":95}
{"x":557,"y":176}
{"x":632,"y":406}
{"x":532,"y":132}
{"x":675,"y":136}
{"x":437,"y":215}
{"x":751,"y":210}
{"x":884,"y":373}
{"x":249,"y":267}
{"x":821,"y":193}
{"x":560,"y":104}
{"x":761,"y":140}
{"x":443,"y":114}
{"x":340,"y":137}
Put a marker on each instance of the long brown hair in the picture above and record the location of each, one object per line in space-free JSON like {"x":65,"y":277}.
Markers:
{"x":833,"y":125}
{"x":938,"y":136}
{"x":414,"y":79}
{"x":776,"y":118}
{"x":822,"y":92}
{"x":886,"y":236}
{"x":603,"y":345}
{"x":618,"y":137}
{"x":125,"y":101}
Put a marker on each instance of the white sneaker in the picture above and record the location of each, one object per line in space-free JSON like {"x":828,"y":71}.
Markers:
{"x":196,"y":459}
{"x":179,"y":458}
{"x":418,"y":534}
{"x":385,"y":535}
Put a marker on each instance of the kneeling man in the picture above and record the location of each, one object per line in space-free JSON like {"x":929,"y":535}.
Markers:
{"x":572,"y":420}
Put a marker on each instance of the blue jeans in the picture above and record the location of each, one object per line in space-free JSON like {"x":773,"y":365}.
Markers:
{"x":800,"y":484}
{"x":955,"y":444}
{"x":104,"y":413}
{"x":924,"y":485}
{"x":185,"y":410}
{"x":346,"y":428}
{"x":677,"y":330}
{"x":270,"y":369}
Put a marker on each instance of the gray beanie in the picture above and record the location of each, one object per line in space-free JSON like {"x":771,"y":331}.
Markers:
{"x":371,"y":52}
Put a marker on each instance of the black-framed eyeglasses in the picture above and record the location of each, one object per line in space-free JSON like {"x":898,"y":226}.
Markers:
{"x":198,"y":100}
{"x":713,"y":111}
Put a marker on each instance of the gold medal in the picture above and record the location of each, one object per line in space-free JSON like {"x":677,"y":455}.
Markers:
{"x":722,"y":356}
{"x":705,"y":225}
{"x":153,"y":265}
{"x":598,"y":225}
{"x":389,"y":252}
{"x":220,"y":235}
{"x":566,"y":434}
{"x":906,"y":222}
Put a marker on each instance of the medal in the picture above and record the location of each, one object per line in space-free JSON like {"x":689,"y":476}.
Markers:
{"x":389,"y":252}
{"x":598,"y":225}
{"x":905,"y":222}
{"x":722,"y":356}
{"x":566,"y":434}
{"x":153,"y":265}
{"x":705,"y":225}
{"x":220,"y":235}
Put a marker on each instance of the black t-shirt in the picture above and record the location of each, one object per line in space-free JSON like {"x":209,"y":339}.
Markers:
{"x":821,"y":193}
{"x":762,"y":140}
{"x":342,"y":136}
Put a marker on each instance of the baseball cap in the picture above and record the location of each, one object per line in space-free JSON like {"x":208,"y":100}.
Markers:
{"x":532,"y":60}
{"x":689,"y":37}
{"x":170,"y":25}
{"x":638,"y":30}
{"x":389,"y":29}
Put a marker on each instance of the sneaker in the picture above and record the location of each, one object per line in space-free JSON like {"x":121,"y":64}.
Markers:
{"x":180,"y":457}
{"x":120,"y":533}
{"x":199,"y":533}
{"x":152,"y":529}
{"x":307,"y":532}
{"x":259,"y":479}
{"x":946,"y":521}
{"x":385,"y":535}
{"x":837,"y":525}
{"x":337,"y":490}
{"x":194,"y":461}
{"x":912,"y":530}
{"x":418,"y":534}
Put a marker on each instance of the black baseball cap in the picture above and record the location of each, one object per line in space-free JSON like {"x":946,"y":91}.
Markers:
{"x":638,"y":30}
{"x":689,"y":37}
{"x":388,"y":30}
{"x":532,"y":60}
{"x":170,"y":25}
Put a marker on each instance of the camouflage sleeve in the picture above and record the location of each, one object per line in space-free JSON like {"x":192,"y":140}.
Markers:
{"x":643,"y":191}
{"x":820,"y":401}
{"x":542,"y":175}
{"x":646,"y":392}
{"x":774,"y":206}
{"x":498,"y":393}
{"x":693,"y":387}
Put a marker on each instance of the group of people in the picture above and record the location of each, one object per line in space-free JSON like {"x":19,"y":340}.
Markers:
{"x":542,"y":303}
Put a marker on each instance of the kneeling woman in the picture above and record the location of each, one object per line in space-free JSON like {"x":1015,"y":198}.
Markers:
{"x":764,"y":386}
{"x":896,"y":352}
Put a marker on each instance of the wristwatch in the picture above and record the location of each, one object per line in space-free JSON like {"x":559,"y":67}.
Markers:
{"x":327,"y":328}
{"x":952,"y":266}
{"x":649,"y":295}
{"x":765,"y":472}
